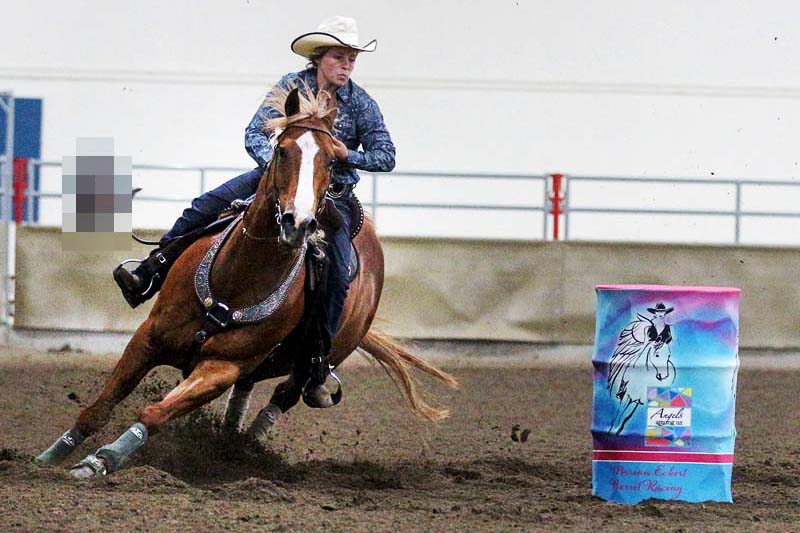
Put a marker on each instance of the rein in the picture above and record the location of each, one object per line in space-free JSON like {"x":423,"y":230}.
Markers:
{"x":270,"y":169}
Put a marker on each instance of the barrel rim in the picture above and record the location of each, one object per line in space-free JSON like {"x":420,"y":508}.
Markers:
{"x":669,"y":288}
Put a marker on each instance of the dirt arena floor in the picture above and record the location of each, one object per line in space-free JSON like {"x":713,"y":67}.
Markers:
{"x":367,"y":464}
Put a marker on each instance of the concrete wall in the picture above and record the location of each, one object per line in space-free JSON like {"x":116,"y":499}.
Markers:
{"x":61,"y":289}
{"x":527,"y":291}
{"x":561,"y":83}
{"x":544,"y":291}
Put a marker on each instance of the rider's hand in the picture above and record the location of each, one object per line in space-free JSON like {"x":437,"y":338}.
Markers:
{"x":340,"y":150}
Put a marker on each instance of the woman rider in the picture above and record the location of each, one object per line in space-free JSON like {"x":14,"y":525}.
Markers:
{"x":332,"y":51}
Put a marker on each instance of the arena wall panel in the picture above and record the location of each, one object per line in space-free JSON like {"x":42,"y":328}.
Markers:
{"x":456,"y":289}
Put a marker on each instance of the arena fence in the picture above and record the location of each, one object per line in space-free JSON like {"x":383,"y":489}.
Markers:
{"x":7,"y":229}
{"x":560,"y":274}
{"x":554,"y":206}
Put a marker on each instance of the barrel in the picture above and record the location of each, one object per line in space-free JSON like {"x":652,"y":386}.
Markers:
{"x":665,"y":366}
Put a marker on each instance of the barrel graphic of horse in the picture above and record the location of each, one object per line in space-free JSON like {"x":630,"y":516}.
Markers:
{"x":665,"y":366}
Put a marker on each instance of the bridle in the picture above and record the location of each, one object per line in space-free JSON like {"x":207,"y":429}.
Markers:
{"x":270,"y":169}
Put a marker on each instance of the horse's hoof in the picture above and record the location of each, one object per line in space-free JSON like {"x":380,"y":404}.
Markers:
{"x":82,"y":472}
{"x":42,"y":460}
{"x":91,"y":466}
{"x":261,"y":432}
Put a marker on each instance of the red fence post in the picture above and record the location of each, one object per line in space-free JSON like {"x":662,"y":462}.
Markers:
{"x":555,"y":202}
{"x":20,"y":187}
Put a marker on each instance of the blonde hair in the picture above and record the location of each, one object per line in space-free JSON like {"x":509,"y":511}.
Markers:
{"x":311,"y":106}
{"x":316,"y":55}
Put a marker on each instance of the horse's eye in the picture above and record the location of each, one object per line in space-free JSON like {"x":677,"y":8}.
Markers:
{"x":281,"y":151}
{"x":331,"y":163}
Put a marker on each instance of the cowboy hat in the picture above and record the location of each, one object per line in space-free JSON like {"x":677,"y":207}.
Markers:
{"x":334,"y":31}
{"x":661,"y":307}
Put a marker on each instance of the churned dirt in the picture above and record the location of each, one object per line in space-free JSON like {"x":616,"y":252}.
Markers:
{"x":515,"y":455}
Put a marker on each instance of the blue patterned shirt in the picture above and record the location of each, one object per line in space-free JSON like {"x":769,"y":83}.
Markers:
{"x":359,"y":122}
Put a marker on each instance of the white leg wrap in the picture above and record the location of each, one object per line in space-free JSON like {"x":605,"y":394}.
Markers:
{"x":61,"y":448}
{"x":236,"y":410}
{"x":116,"y":453}
{"x":264,"y":422}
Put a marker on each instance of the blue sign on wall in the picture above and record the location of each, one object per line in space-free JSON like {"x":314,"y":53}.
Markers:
{"x":27,"y":138}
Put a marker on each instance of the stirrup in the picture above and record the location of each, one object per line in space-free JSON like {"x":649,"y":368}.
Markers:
{"x":133,"y":298}
{"x":336,"y":397}
{"x":140,"y":261}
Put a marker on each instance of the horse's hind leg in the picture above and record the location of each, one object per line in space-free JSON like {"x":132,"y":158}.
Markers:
{"x":133,"y":366}
{"x":207,"y":381}
{"x":286,"y":396}
{"x":238,"y":403}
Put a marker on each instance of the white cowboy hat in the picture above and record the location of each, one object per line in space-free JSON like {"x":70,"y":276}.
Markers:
{"x":334,"y":31}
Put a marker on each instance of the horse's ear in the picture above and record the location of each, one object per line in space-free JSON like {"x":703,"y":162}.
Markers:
{"x":330,"y":118}
{"x":292,"y":106}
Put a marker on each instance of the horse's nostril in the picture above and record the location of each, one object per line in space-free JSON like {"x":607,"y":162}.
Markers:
{"x":312,"y":226}
{"x":287,"y":219}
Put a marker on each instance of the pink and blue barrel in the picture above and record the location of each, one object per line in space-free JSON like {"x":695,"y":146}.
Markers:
{"x":665,"y":366}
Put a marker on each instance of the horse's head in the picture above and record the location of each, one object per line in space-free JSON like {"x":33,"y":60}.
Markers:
{"x":300,"y":170}
{"x":658,"y":361}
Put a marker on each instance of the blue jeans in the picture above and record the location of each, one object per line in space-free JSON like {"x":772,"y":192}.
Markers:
{"x":208,"y":206}
{"x":339,"y":252}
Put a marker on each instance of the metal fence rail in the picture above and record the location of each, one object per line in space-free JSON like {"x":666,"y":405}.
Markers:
{"x":737,"y":213}
{"x":373,"y":203}
{"x":568,"y":207}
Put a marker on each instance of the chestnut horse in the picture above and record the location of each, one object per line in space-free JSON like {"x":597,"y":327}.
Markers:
{"x":253,"y":262}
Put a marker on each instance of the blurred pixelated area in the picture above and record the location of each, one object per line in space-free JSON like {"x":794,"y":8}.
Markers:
{"x":96,"y":197}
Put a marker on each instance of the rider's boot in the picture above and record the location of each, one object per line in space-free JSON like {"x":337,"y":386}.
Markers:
{"x":315,"y":392}
{"x":318,"y":398}
{"x":317,"y":343}
{"x":329,"y":306}
{"x":141,"y":283}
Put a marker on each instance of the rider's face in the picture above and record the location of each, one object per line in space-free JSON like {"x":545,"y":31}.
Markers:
{"x":336,"y":66}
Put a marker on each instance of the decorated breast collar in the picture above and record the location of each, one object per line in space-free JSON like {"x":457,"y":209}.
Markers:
{"x":219,"y":315}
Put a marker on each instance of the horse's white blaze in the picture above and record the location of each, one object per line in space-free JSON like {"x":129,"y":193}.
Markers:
{"x":304,"y":199}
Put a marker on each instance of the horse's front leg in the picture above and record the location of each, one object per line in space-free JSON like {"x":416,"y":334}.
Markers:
{"x":286,"y":396}
{"x":208,"y":380}
{"x":133,"y":366}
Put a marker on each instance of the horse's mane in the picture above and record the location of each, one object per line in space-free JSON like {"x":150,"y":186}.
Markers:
{"x":311,"y":106}
{"x":629,"y":347}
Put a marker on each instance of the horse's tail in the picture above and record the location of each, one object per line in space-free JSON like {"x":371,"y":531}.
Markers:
{"x":396,"y":360}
